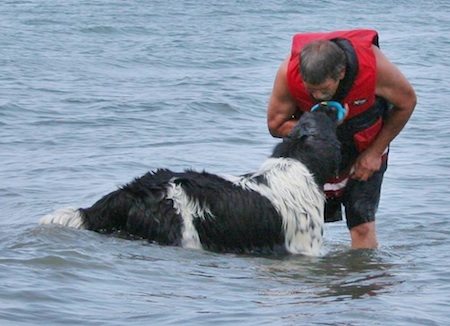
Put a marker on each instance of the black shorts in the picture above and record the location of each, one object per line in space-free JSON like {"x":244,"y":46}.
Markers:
{"x":360,"y":199}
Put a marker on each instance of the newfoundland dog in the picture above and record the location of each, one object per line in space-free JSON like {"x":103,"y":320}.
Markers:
{"x":279,"y":208}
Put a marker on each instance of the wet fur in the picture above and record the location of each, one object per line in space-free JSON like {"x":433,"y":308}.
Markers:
{"x":279,"y":208}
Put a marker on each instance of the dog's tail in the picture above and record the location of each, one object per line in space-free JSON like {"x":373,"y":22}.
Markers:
{"x":70,"y":217}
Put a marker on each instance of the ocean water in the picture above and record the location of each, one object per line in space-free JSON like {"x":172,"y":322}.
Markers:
{"x":95,"y":93}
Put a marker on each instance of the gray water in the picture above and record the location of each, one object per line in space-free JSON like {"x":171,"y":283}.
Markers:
{"x":95,"y":93}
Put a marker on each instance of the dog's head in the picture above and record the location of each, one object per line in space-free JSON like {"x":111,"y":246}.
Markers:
{"x":313,"y":141}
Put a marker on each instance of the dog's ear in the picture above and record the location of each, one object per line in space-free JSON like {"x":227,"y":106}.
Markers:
{"x":298,"y":132}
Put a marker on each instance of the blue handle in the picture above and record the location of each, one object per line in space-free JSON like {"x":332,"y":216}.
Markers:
{"x":340,"y":110}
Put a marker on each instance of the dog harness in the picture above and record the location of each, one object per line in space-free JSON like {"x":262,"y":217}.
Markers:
{"x":335,"y":186}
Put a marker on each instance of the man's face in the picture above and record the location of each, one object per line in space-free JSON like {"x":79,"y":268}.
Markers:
{"x":323,"y":91}
{"x":326,"y":90}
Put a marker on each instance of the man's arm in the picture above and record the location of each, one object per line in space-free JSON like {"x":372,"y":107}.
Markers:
{"x":393,"y":86}
{"x":281,"y":105}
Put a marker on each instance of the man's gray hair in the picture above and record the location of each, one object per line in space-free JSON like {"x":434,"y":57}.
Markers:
{"x":320,"y":60}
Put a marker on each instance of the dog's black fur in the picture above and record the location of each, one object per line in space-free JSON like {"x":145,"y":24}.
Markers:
{"x":238,"y":214}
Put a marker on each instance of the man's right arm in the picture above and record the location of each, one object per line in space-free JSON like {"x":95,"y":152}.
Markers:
{"x":281,"y":106}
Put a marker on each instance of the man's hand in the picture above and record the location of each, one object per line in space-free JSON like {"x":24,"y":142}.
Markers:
{"x":366,"y":165}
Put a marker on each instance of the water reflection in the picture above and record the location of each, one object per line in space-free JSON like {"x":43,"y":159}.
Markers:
{"x":339,"y":276}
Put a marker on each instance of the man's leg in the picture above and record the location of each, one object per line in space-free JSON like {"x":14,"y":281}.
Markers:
{"x":364,"y":236}
{"x":361,"y":199}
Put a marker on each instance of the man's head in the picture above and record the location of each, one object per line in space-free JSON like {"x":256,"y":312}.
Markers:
{"x":322,"y":67}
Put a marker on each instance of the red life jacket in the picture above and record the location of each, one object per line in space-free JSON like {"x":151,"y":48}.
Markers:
{"x":360,"y":94}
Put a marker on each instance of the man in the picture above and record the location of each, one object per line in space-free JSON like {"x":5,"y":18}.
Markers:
{"x":347,"y":67}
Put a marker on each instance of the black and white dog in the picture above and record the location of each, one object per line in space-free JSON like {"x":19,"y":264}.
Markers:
{"x":279,"y":208}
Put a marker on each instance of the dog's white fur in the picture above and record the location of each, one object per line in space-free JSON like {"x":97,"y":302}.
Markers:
{"x":288,"y":180}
